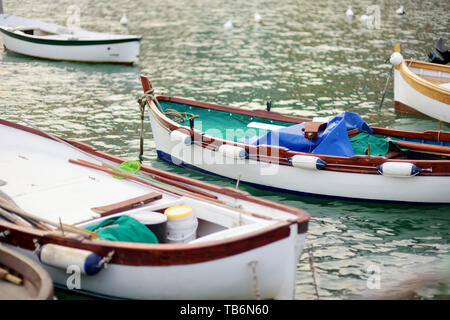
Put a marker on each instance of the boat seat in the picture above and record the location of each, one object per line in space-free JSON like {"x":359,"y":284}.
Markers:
{"x":127,"y":204}
{"x":266,"y":126}
{"x":312,"y":129}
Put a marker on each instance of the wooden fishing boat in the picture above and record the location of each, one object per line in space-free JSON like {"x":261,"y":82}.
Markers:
{"x":50,"y":41}
{"x":61,"y":196}
{"x":421,"y":87}
{"x":22,"y":278}
{"x":312,"y":157}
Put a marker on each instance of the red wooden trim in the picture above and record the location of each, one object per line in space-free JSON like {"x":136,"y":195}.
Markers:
{"x":253,"y":113}
{"x":139,"y":254}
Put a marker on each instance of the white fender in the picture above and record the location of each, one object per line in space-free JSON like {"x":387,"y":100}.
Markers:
{"x":399,"y":169}
{"x":307,"y":162}
{"x":63,"y":257}
{"x":178,"y":136}
{"x":232,"y":151}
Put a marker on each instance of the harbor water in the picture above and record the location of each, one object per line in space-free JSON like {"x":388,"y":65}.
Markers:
{"x":307,"y":56}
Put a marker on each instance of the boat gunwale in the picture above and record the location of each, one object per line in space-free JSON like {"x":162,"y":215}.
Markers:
{"x":420,"y":84}
{"x":145,"y":254}
{"x":68,"y":42}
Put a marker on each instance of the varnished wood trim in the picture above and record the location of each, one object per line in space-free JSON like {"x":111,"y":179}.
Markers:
{"x":418,"y":83}
{"x":139,"y":254}
{"x":252,"y":113}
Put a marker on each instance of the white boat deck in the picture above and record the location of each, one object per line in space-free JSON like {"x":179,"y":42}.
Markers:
{"x":40,"y":179}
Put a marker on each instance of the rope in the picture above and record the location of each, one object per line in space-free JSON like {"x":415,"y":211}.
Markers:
{"x":311,"y":264}
{"x":175,"y":115}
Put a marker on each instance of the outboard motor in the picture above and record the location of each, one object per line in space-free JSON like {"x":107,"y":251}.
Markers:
{"x":439,"y":54}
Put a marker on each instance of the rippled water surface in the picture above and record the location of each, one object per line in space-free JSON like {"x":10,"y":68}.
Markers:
{"x":306,"y":56}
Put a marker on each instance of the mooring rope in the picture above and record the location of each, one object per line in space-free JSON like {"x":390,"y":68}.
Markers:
{"x":311,"y":264}
{"x":175,"y":115}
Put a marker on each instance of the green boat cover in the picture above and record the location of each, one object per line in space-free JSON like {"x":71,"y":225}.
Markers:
{"x":123,"y":228}
{"x":379,"y":145}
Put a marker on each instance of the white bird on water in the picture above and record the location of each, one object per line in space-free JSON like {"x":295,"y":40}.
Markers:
{"x":124,"y":20}
{"x":400,"y":10}
{"x":257,"y":18}
{"x":349,"y":12}
{"x":228,"y":24}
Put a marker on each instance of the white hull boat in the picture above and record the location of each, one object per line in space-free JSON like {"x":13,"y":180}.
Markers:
{"x":421,"y":88}
{"x":214,"y":140}
{"x":53,"y":190}
{"x":49,"y":41}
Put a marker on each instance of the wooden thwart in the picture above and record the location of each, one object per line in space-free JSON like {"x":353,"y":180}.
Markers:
{"x":312,"y":129}
{"x":127,"y":204}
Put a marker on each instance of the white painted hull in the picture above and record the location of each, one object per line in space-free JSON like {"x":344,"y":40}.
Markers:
{"x":407,"y":95}
{"x":126,"y":52}
{"x":229,"y":278}
{"x":418,"y":189}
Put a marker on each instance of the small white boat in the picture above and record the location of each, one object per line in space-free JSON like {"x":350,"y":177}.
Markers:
{"x":333,"y":158}
{"x":421,"y":87}
{"x":230,"y":245}
{"x":49,"y":41}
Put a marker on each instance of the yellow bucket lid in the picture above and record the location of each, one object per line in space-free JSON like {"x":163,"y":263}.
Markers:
{"x":176,"y":212}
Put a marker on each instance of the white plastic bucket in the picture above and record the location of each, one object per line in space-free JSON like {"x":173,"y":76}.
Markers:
{"x":181,"y":224}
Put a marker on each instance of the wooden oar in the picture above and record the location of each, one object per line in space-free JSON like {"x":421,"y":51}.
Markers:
{"x":422,"y":146}
{"x":13,"y":218}
{"x":66,"y":227}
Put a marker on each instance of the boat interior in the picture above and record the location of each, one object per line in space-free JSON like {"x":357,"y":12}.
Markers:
{"x":214,"y":223}
{"x":243,"y":128}
{"x":34,"y":31}
{"x":437,"y":77}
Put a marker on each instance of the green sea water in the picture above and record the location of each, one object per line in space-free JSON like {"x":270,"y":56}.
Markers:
{"x":306,"y":56}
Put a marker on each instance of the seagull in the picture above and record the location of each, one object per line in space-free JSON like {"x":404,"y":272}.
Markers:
{"x":258,"y":18}
{"x":400,"y":10}
{"x":349,"y":12}
{"x":228,"y":24}
{"x":364,"y":18}
{"x":124,"y":20}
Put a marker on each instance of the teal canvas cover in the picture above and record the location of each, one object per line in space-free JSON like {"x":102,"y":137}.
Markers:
{"x":123,"y":228}
{"x":379,"y":145}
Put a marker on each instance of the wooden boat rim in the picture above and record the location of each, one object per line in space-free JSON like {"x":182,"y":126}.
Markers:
{"x":29,"y":270}
{"x":420,"y":84}
{"x":69,"y":42}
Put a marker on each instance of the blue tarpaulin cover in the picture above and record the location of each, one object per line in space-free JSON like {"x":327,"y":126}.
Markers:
{"x":332,"y":141}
